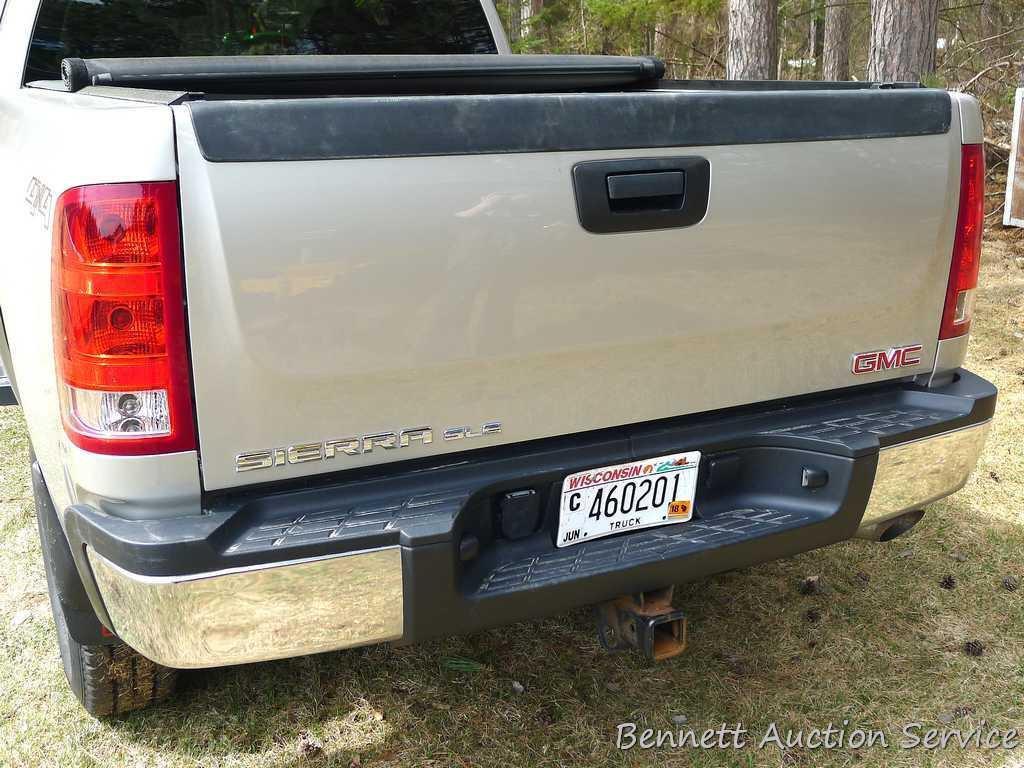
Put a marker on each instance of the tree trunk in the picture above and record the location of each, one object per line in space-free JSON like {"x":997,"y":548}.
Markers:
{"x":529,"y":10}
{"x":837,"y":41}
{"x":992,"y":30}
{"x":816,"y":43}
{"x":990,"y":19}
{"x":753,"y":39}
{"x":515,"y":20}
{"x":666,"y":41}
{"x":903,"y":34}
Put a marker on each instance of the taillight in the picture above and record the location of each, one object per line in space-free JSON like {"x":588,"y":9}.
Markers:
{"x":119,"y":320}
{"x":963,"y":272}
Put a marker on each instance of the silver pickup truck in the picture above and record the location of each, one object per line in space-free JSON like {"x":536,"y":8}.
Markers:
{"x":334,"y":324}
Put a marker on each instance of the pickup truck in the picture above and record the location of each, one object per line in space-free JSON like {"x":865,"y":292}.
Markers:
{"x":337,"y":324}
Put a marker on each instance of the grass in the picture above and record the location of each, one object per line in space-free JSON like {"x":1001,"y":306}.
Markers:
{"x":887,"y":647}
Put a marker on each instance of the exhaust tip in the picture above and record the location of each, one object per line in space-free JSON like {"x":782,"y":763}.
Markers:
{"x":900,"y":525}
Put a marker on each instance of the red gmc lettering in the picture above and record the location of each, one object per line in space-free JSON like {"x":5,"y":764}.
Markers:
{"x":891,"y":359}
{"x":886,"y":359}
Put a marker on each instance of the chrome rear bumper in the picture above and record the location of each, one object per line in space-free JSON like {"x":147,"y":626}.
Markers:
{"x":256,"y":614}
{"x":419,"y":554}
{"x":912,"y":475}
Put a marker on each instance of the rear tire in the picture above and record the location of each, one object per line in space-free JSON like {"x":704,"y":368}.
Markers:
{"x":109,"y":678}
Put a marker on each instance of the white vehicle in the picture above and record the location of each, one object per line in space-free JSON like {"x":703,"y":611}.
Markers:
{"x":378,"y":333}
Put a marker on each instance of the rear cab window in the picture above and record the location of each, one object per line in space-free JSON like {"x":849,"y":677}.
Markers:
{"x":158,"y":28}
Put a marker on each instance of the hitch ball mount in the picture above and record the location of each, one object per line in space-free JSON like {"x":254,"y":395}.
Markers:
{"x":645,"y":622}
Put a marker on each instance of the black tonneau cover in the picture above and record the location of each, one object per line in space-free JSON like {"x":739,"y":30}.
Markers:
{"x":341,"y":75}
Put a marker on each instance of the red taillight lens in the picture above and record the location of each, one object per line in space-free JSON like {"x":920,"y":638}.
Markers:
{"x":963,"y":272}
{"x":119,"y":322}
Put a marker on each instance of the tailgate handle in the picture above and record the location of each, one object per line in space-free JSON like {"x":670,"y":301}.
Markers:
{"x":640,"y":194}
{"x":661,"y":189}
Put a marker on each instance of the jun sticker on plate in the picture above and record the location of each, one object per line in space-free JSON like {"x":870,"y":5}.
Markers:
{"x":627,"y":497}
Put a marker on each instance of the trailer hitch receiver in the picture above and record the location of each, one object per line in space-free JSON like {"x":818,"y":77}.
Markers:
{"x":646,"y":622}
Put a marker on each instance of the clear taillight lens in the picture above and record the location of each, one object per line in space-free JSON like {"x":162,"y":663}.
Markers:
{"x":963,"y":271}
{"x":115,"y":415}
{"x":119,"y":322}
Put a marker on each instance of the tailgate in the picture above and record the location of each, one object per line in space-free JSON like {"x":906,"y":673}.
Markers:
{"x":357,"y":267}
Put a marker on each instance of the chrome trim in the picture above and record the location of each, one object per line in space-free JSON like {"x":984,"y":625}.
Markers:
{"x":912,"y":475}
{"x":258,"y":613}
{"x":354,"y":446}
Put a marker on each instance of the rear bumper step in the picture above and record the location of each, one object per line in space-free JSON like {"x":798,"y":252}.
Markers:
{"x":413,"y":554}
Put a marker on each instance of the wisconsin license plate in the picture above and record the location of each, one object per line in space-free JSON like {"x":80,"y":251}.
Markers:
{"x":627,"y":497}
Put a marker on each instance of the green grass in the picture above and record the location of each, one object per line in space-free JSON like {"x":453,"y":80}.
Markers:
{"x":887,"y":650}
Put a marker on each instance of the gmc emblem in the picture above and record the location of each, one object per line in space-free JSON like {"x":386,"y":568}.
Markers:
{"x":886,"y":359}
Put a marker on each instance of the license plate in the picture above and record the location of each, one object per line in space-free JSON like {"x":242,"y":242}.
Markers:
{"x":627,"y":497}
